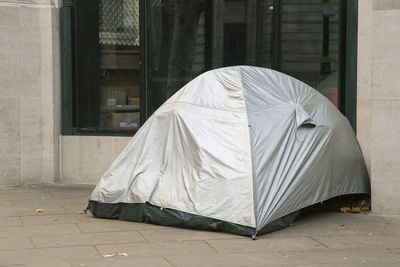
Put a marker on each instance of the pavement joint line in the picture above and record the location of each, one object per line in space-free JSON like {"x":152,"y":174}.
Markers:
{"x":21,"y":221}
{"x":97,"y":251}
{"x":100,"y":244}
{"x":167,"y":260}
{"x":38,"y":248}
{"x":33,"y":243}
{"x":34,"y":215}
{"x":139,"y":232}
{"x":97,"y":244}
{"x":80,"y":228}
{"x":62,"y":206}
{"x":204,"y":239}
{"x":318,"y":241}
{"x":214,"y":249}
{"x":37,"y":225}
{"x":77,"y":225}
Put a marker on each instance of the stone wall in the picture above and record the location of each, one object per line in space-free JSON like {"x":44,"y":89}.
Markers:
{"x":378,"y":100}
{"x":84,"y":159}
{"x":29,"y":91}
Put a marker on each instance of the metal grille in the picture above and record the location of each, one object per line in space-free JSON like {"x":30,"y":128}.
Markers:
{"x":119,"y":22}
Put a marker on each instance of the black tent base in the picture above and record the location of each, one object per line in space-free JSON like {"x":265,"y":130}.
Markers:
{"x":148,"y":213}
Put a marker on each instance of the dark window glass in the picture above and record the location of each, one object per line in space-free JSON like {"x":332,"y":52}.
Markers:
{"x":108,"y":65}
{"x":309,"y":43}
{"x":184,"y":38}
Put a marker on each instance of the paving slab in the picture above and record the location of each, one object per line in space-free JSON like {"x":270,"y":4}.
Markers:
{"x":321,"y":223}
{"x":72,"y":194}
{"x":238,"y":259}
{"x":24,"y":195}
{"x":263,"y":245}
{"x":119,"y":261}
{"x":34,"y":230}
{"x":61,"y":235}
{"x":47,"y":264}
{"x":343,"y":257}
{"x":179,"y":234}
{"x":75,"y":207}
{"x":159,"y":249}
{"x":47,"y":255}
{"x":32,"y":210}
{"x":10,"y":221}
{"x":10,"y":243}
{"x":367,"y":241}
{"x":57,"y":219}
{"x":81,"y":201}
{"x":87,"y":239}
{"x":105,"y":225}
{"x":6,"y":204}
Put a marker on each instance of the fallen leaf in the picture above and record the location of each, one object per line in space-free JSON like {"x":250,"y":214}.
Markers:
{"x":39,"y":210}
{"x":345,"y":209}
{"x":355,"y":210}
{"x":122,"y":254}
{"x":365,"y":208}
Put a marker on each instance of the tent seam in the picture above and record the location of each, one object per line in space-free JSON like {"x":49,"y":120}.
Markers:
{"x":251,"y":154}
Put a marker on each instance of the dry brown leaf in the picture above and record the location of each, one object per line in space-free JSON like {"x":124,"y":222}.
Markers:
{"x":355,"y":210}
{"x":122,"y":254}
{"x":345,"y":209}
{"x":39,"y":210}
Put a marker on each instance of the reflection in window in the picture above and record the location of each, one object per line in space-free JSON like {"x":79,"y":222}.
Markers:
{"x":185,"y":38}
{"x":188,"y":37}
{"x":310,"y":42}
{"x":119,"y":64}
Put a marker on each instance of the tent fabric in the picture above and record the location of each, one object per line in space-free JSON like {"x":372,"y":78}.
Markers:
{"x":240,"y":145}
{"x":145,"y":212}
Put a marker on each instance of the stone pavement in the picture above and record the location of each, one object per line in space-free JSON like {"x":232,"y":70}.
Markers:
{"x":43,"y":225}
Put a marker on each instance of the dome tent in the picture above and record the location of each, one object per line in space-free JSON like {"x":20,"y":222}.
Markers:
{"x":238,"y":149}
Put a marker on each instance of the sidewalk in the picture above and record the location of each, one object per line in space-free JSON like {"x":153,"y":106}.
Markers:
{"x":44,"y":226}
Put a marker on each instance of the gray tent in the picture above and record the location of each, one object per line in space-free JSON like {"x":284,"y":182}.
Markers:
{"x":238,"y":149}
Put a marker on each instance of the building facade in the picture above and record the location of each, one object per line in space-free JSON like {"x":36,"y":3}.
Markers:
{"x":79,"y":77}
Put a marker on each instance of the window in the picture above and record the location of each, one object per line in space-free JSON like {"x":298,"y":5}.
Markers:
{"x":118,"y":79}
{"x":187,"y":38}
{"x":310,"y":34}
{"x":107,"y":68}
